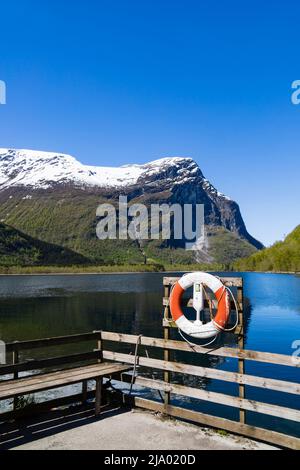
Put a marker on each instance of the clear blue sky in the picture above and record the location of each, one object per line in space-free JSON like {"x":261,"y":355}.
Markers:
{"x":115,"y":82}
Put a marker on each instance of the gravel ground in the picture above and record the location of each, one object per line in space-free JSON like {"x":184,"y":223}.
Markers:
{"x":129,"y":430}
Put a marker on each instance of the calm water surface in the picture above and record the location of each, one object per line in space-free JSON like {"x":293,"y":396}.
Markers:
{"x":43,"y":306}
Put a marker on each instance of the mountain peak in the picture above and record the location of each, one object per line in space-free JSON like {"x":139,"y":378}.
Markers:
{"x":40,"y":169}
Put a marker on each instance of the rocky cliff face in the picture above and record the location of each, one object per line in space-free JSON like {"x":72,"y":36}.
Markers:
{"x":46,"y":182}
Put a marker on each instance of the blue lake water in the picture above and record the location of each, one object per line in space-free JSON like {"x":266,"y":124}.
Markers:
{"x":43,"y":306}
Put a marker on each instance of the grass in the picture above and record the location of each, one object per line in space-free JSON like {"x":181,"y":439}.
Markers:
{"x":80,"y":269}
{"x":124,"y":268}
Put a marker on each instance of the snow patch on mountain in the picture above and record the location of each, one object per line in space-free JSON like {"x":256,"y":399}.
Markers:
{"x":38,"y":169}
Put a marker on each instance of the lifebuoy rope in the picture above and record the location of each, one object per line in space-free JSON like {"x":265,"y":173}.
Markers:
{"x":193,"y":345}
{"x":136,"y":357}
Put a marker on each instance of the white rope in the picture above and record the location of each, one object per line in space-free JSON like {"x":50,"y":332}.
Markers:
{"x":195,"y":345}
{"x":223,"y":329}
{"x":236,"y":311}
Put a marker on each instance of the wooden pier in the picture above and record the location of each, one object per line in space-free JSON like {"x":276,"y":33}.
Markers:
{"x":103,"y":356}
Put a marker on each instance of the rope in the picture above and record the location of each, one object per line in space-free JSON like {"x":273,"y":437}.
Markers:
{"x":153,"y":377}
{"x":236,"y":310}
{"x":193,"y":345}
{"x":138,"y":342}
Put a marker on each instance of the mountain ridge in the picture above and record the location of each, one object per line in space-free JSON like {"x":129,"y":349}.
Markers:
{"x":53,"y":197}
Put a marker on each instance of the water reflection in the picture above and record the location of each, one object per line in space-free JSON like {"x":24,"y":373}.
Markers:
{"x":43,"y":306}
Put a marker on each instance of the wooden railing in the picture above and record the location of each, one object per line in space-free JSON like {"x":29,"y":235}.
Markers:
{"x":103,"y":342}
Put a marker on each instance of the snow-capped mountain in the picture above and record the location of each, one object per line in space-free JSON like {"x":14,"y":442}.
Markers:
{"x":37,"y":169}
{"x":53,"y":197}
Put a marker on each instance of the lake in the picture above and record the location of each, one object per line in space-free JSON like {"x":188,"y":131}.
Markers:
{"x":42,"y":306}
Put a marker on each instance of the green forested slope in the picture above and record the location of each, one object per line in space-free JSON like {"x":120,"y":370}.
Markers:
{"x":18,"y":249}
{"x":282,"y":256}
{"x":68,"y":219}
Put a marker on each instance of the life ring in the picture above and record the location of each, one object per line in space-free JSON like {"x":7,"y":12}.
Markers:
{"x":197,"y":329}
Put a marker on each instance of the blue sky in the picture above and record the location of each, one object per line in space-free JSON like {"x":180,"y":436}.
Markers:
{"x":115,"y":82}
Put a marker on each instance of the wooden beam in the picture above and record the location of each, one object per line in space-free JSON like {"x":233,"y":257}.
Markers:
{"x":227,"y":281}
{"x":207,"y":372}
{"x":272,"y":358}
{"x":36,"y":364}
{"x":56,"y":341}
{"x":222,"y":399}
{"x":40,"y":382}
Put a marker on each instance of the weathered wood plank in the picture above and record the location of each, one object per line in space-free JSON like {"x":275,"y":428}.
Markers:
{"x":50,"y":362}
{"x":253,"y":432}
{"x":42,"y":382}
{"x":218,"y":374}
{"x":271,"y":358}
{"x":56,"y":341}
{"x":227,"y":281}
{"x":51,"y":376}
{"x":221,"y":398}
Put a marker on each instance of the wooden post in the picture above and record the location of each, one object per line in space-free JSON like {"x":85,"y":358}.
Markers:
{"x":84,"y":391}
{"x":98,"y":399}
{"x":15,"y":360}
{"x":99,"y":381}
{"x":241,"y":344}
{"x":166,"y":351}
{"x":99,"y":345}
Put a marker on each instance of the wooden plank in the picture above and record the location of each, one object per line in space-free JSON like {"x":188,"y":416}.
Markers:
{"x":218,"y":374}
{"x":50,"y":362}
{"x":271,"y":358}
{"x":56,"y":341}
{"x":42,"y":382}
{"x":222,"y":399}
{"x":227,"y":281}
{"x":59,"y":375}
{"x":253,"y":432}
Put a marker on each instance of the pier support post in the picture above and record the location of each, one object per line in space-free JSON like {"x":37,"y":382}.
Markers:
{"x":15,"y":360}
{"x":98,"y":399}
{"x":241,"y":344}
{"x":166,"y":351}
{"x":84,"y":391}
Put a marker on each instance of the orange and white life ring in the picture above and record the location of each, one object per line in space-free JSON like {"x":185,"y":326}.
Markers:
{"x":197,"y":329}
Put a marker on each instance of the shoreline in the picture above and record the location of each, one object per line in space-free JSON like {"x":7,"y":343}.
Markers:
{"x":118,"y":272}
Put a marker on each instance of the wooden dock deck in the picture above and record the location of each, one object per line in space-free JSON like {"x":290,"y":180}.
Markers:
{"x":104,"y":346}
